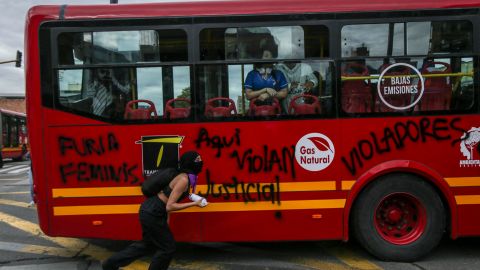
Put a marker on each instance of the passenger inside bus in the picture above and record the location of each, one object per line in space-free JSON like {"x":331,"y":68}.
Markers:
{"x":264,"y":83}
{"x":108,"y":93}
{"x":301,"y":80}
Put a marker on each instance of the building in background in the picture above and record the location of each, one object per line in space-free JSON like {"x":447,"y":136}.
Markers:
{"x":13,"y":102}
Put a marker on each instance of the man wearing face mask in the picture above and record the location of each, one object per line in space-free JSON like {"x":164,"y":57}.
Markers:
{"x":265,"y":83}
{"x":156,"y":234}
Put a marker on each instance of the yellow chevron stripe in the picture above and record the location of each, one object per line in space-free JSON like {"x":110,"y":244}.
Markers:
{"x":212,"y":207}
{"x":467,"y":199}
{"x":136,"y":191}
{"x":348,"y":184}
{"x":463,"y":181}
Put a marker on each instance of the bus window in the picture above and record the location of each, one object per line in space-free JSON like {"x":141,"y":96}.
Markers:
{"x":106,"y":92}
{"x":393,"y":85}
{"x":371,"y":40}
{"x":5,"y":130}
{"x":284,"y":42}
{"x":309,"y":90}
{"x":386,"y":76}
{"x":174,"y":83}
{"x":122,"y":47}
{"x":439,"y":37}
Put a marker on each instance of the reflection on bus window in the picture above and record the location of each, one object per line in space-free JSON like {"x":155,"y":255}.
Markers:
{"x":421,"y":38}
{"x":122,"y":47}
{"x":285,"y":42}
{"x":308,"y":84}
{"x":439,"y":37}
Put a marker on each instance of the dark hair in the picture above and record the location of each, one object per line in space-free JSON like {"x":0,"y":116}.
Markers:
{"x":187,"y":161}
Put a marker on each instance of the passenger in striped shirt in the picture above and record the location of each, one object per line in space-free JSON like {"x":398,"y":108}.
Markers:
{"x":105,"y":90}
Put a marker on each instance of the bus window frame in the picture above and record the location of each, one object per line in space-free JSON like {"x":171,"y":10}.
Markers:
{"x":333,"y":21}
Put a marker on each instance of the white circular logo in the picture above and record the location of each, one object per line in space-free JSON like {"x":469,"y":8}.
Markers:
{"x":400,"y":86}
{"x":314,"y":152}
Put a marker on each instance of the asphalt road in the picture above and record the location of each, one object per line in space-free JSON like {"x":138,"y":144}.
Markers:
{"x":24,"y":247}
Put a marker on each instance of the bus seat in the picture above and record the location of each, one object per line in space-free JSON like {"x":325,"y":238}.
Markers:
{"x":173,"y":112}
{"x":131,"y":112}
{"x":264,"y":109}
{"x":356,"y":94}
{"x":309,"y":105}
{"x":395,"y":100}
{"x":438,"y":90}
{"x":220,"y":107}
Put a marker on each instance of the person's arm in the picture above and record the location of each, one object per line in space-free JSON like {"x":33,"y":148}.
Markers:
{"x":283,"y":86}
{"x":178,"y":188}
{"x":250,"y":94}
{"x":312,"y":80}
{"x":282,"y":93}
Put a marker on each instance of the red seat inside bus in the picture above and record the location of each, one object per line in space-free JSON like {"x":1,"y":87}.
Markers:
{"x":220,"y":107}
{"x":177,"y":108}
{"x":438,"y":90}
{"x":395,"y":100}
{"x":259,"y":108}
{"x":356,"y":93}
{"x":304,"y":104}
{"x":136,"y":110}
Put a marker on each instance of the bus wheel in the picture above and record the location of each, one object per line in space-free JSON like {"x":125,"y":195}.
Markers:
{"x":399,"y":217}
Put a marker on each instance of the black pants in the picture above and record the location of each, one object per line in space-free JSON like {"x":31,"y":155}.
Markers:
{"x":157,"y":238}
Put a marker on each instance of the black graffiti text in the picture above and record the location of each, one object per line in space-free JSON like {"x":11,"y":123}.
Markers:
{"x":267,"y":161}
{"x":88,"y":146}
{"x":217,"y":142}
{"x":87,"y":172}
{"x":396,"y":137}
{"x":240,"y":190}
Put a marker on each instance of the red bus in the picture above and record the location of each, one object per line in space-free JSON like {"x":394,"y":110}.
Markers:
{"x":14,"y":140}
{"x":369,"y":127}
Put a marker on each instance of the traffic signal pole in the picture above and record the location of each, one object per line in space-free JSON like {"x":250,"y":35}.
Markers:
{"x":18,"y":61}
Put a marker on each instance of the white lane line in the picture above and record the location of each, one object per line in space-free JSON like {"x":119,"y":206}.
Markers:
{"x":19,"y":170}
{"x":16,"y":167}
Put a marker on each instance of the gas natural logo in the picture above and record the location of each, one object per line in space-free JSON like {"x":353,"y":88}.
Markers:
{"x":314,"y":152}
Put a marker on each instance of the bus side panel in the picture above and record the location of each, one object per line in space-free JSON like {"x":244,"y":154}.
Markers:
{"x":35,"y":112}
{"x":251,"y":176}
{"x":433,"y":142}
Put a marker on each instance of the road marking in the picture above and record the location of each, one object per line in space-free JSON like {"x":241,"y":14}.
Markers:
{"x":319,"y":264}
{"x":14,"y":168}
{"x":35,"y":249}
{"x":13,"y":203}
{"x":352,"y":259}
{"x":75,"y":245}
{"x":19,"y":170}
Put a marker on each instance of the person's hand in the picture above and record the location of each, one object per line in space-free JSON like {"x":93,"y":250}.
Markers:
{"x":263,"y":96}
{"x":308,"y":85}
{"x":271,"y":92}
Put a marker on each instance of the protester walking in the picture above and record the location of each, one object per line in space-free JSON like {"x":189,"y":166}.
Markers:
{"x":156,"y":234}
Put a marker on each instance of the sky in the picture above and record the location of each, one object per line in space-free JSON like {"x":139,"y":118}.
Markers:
{"x":12,"y":21}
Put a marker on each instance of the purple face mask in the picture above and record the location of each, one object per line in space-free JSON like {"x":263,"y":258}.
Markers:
{"x":192,"y":178}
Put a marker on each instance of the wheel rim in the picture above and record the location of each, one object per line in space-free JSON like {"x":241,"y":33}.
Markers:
{"x":400,"y":218}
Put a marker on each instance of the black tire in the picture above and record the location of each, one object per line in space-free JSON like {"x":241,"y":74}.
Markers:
{"x":365,"y":217}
